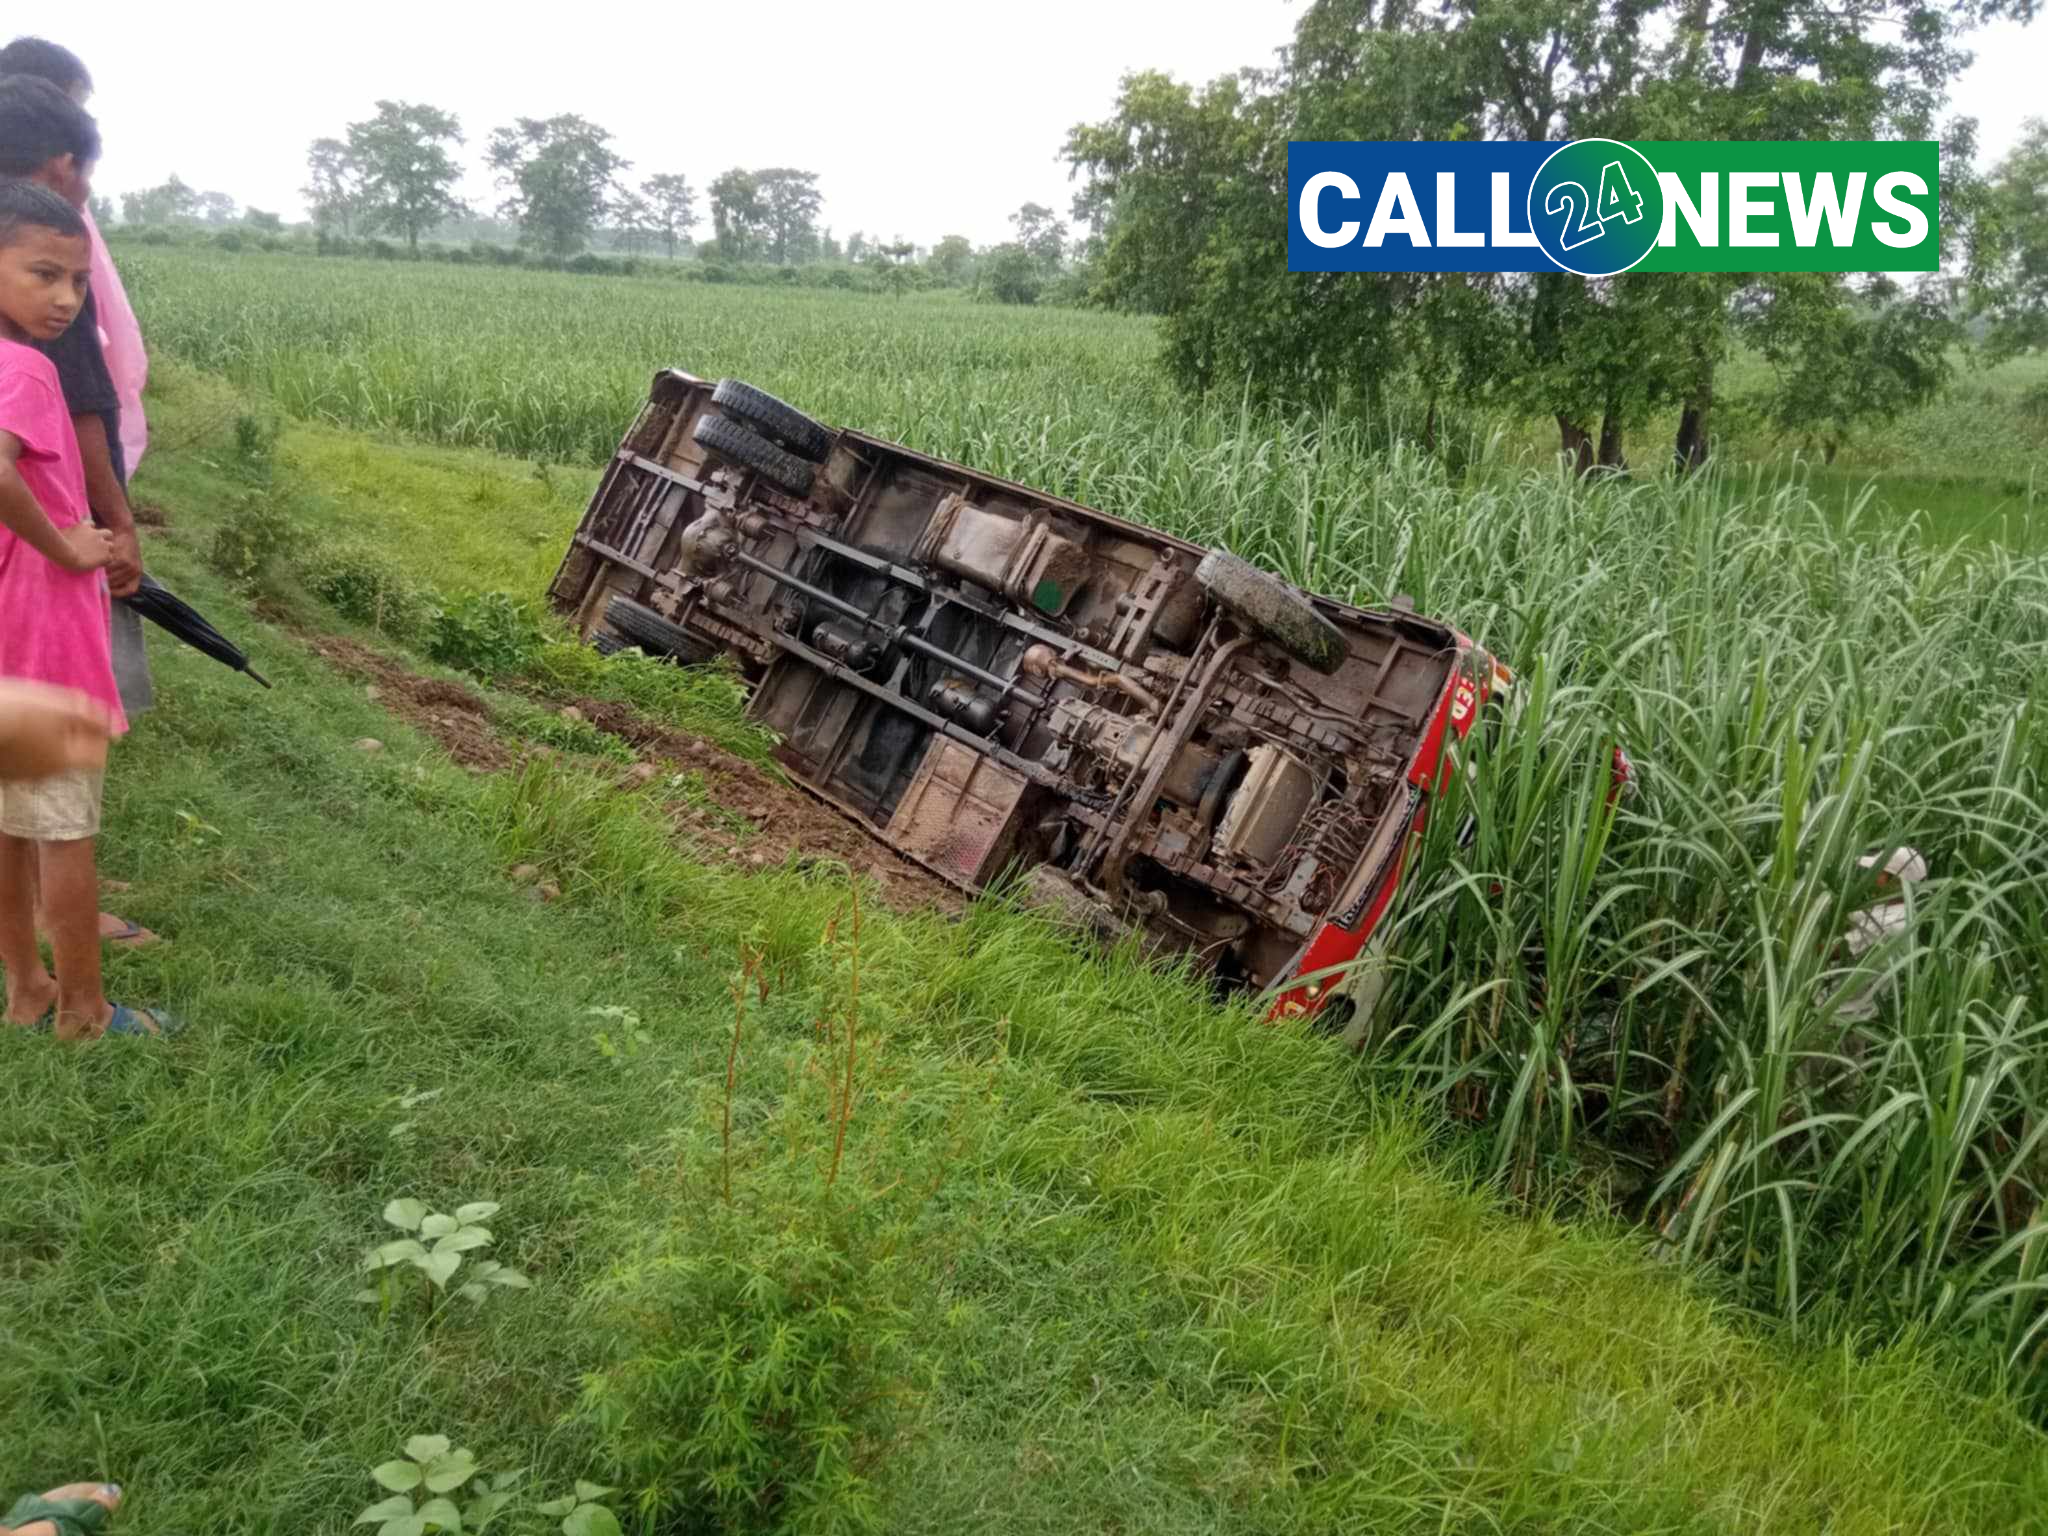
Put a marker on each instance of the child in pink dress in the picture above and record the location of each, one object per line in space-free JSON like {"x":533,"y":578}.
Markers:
{"x":54,"y":625}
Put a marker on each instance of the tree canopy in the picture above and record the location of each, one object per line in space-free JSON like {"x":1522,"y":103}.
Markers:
{"x":671,"y":208}
{"x":407,"y":174}
{"x":560,"y":179}
{"x":1186,"y":186}
{"x":738,"y":216}
{"x":334,"y":189}
{"x":2010,"y":261}
{"x":789,"y":202}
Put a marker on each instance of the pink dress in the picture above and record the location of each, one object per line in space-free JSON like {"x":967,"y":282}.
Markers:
{"x":121,"y":340}
{"x":55,"y":625}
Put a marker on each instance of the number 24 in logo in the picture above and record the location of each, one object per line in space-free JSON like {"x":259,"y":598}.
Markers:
{"x":1617,"y":200}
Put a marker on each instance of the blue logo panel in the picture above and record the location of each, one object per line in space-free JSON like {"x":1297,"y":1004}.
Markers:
{"x":1413,"y":207}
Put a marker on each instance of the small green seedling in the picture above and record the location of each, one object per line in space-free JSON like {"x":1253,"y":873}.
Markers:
{"x":631,"y":1037}
{"x":437,"y":1251}
{"x":408,"y":1101}
{"x":431,"y":1467}
{"x":193,"y":832}
{"x":582,"y":1514}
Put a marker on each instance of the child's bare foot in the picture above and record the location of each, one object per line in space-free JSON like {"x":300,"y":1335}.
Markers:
{"x":36,"y":996}
{"x":117,"y":1020}
{"x":79,"y":1024}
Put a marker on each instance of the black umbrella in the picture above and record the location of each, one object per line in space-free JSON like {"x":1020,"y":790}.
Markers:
{"x":163,"y":608}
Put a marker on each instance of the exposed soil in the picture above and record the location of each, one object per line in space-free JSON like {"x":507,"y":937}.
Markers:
{"x":785,"y":820}
{"x":455,"y":716}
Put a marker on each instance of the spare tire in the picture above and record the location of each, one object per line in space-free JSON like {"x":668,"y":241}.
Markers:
{"x":636,"y":624}
{"x":1271,"y":609}
{"x":742,"y":445}
{"x":782,"y":424}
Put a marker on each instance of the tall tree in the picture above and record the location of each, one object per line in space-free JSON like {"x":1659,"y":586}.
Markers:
{"x":334,"y":186}
{"x":560,"y":175}
{"x":738,"y":215}
{"x":171,"y":203}
{"x":217,"y":207}
{"x":2009,"y":264}
{"x":632,"y":227}
{"x":789,"y":211}
{"x":1042,"y":234}
{"x":672,"y":208}
{"x":951,"y":260}
{"x":892,"y":265}
{"x":1011,"y":275}
{"x":408,"y":175}
{"x":1185,"y":186}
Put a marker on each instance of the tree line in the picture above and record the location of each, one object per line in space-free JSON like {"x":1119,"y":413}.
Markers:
{"x":564,"y":189}
{"x":1184,"y":188}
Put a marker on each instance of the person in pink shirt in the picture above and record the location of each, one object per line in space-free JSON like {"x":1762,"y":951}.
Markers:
{"x":100,"y":360}
{"x":54,"y":627}
{"x":120,"y":335}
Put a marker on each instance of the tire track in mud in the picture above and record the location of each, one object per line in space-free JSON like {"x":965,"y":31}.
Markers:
{"x":783,"y":820}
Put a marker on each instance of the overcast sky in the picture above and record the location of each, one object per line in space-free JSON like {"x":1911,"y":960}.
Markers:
{"x":922,"y":117}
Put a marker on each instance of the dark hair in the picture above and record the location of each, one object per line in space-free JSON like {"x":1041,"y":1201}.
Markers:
{"x":31,"y":205}
{"x":46,"y":61}
{"x":39,"y":123}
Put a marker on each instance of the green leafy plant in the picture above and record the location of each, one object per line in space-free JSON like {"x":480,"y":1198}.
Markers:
{"x":438,"y":1250}
{"x":247,"y":545}
{"x":488,"y":633}
{"x":581,"y":1513}
{"x":193,"y":832}
{"x":769,"y":1365}
{"x":364,"y":584}
{"x":256,"y":447}
{"x":631,"y":1038}
{"x":431,"y":1466}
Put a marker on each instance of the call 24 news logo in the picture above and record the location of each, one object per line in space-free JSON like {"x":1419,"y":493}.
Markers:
{"x":1598,"y":207}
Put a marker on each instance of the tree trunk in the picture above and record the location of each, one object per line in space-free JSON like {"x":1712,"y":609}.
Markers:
{"x":1429,"y":428}
{"x":1577,"y":442}
{"x":1611,"y":455}
{"x":1689,"y":452}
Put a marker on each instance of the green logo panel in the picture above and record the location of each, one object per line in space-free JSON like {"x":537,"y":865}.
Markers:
{"x":1788,"y":207}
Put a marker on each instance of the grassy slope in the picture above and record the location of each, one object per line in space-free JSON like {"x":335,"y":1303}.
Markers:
{"x":1184,"y":1273}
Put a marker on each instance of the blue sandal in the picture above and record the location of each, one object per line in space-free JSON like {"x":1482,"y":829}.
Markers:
{"x":142,"y":1023}
{"x":71,"y":1517}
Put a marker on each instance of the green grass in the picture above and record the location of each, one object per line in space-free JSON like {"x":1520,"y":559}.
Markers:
{"x":1646,"y":1009}
{"x":1180,"y":1272}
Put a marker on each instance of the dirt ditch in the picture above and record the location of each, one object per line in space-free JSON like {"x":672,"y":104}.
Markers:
{"x":455,"y":716}
{"x":784,"y":821}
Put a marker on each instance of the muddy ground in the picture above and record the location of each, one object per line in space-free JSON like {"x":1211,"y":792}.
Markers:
{"x":759,"y":819}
